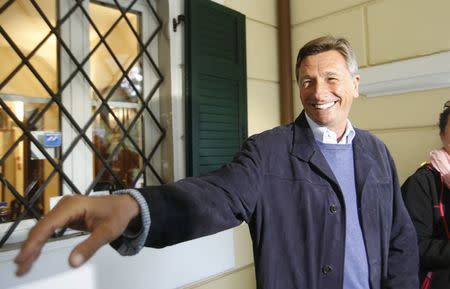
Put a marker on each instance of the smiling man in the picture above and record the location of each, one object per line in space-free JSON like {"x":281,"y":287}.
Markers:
{"x":328,"y":85}
{"x":363,"y":175}
{"x":321,"y":198}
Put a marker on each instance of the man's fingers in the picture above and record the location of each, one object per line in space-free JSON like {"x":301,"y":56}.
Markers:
{"x":23,"y":268}
{"x":44,"y":229}
{"x":24,"y":264}
{"x":84,"y":251}
{"x":93,"y":214}
{"x":32,"y":247}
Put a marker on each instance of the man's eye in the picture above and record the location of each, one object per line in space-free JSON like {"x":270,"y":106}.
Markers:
{"x":306,"y":82}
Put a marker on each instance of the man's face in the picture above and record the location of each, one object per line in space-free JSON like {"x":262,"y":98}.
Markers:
{"x":327,"y":89}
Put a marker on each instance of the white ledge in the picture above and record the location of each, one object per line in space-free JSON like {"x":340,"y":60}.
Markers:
{"x":418,"y":74}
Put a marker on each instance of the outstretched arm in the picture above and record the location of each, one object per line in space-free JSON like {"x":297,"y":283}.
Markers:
{"x":105,"y":217}
{"x":182,"y":211}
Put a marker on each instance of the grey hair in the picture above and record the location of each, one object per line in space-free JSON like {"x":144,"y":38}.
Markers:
{"x":327,"y":43}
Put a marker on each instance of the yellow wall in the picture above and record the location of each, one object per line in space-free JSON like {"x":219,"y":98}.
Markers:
{"x":242,"y":278}
{"x":263,"y":114}
{"x":384,"y":31}
{"x":262,"y":62}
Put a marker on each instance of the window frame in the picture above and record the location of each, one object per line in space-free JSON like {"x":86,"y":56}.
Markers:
{"x":82,"y":107}
{"x":75,"y":34}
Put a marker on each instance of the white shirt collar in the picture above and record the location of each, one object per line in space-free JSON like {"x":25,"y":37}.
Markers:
{"x":325,"y":135}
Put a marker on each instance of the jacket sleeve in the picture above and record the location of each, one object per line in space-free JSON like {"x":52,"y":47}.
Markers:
{"x":418,"y":193}
{"x":200,"y":206}
{"x":403,"y":258}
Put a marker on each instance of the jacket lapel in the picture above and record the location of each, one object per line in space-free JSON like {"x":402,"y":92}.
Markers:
{"x":363,"y":163}
{"x":306,"y":149}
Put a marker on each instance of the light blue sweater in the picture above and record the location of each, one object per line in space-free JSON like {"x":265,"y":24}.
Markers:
{"x":340,"y":159}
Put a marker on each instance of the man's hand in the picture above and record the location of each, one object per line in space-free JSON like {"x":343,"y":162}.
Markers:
{"x":105,"y":217}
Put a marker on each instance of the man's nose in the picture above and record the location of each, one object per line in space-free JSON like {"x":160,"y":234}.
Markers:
{"x":320,"y":89}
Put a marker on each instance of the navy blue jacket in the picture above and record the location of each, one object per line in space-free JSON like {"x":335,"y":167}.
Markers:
{"x":282,"y":186}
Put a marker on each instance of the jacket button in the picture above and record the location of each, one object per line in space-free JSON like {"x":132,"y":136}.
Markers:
{"x":327,"y":269}
{"x":333,"y":208}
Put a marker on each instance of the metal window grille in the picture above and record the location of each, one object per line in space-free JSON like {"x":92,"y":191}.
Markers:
{"x":103,"y":107}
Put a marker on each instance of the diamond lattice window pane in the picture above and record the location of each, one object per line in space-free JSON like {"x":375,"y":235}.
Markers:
{"x":78,"y":109}
{"x":7,"y":67}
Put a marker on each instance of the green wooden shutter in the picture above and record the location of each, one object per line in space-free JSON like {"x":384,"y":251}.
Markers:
{"x":216,"y":85}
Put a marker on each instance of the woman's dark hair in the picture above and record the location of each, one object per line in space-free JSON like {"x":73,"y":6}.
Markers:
{"x":443,"y":119}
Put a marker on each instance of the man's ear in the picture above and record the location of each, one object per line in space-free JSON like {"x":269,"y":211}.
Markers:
{"x":356,"y":79}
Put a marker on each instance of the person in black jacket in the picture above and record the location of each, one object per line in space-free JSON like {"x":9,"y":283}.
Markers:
{"x":427,"y":197}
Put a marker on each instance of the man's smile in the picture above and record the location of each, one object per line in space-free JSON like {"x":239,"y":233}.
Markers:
{"x":323,"y":106}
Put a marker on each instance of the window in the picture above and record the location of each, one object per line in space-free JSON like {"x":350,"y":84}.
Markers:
{"x":79,"y":102}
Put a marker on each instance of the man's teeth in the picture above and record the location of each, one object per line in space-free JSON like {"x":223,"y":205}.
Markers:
{"x":324,"y":105}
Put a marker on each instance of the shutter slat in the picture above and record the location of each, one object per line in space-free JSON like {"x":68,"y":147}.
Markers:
{"x":205,"y":152}
{"x":210,"y":160}
{"x":217,"y":109}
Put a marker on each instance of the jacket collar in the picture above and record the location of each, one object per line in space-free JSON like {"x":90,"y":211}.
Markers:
{"x":364,"y":160}
{"x":305,"y":148}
